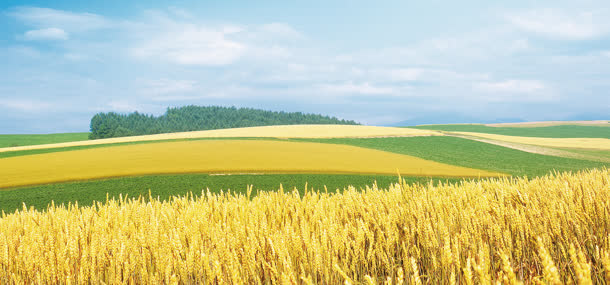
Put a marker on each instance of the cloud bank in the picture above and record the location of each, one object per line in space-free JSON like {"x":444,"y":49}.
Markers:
{"x":530,"y":63}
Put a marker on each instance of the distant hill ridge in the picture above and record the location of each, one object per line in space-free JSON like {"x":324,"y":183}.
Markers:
{"x":198,"y":118}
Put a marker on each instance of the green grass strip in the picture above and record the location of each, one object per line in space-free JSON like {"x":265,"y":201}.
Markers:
{"x":23,"y":140}
{"x":165,"y":186}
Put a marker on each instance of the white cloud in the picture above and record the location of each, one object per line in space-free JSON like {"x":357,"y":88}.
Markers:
{"x":191,"y":45}
{"x":405,"y":74}
{"x":557,"y":24}
{"x":182,"y":13}
{"x":122,"y":106}
{"x":436,"y":76}
{"x":45,"y":18}
{"x":46,"y":34}
{"x":511,"y":86}
{"x":191,"y":42}
{"x":280,"y":30}
{"x":362,"y":88}
{"x":515,"y":91}
{"x":25,"y":105}
{"x":166,"y":86}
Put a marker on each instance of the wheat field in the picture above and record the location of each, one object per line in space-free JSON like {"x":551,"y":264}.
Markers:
{"x":550,"y":230}
{"x":582,"y":143}
{"x":284,"y":131}
{"x":216,"y":156}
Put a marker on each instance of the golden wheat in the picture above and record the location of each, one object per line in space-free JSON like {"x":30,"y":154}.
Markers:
{"x":553,"y":229}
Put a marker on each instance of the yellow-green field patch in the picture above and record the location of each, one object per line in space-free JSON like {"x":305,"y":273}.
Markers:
{"x":217,"y":156}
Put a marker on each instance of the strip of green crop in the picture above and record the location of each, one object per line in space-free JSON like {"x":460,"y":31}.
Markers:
{"x":165,"y":186}
{"x":35,"y":139}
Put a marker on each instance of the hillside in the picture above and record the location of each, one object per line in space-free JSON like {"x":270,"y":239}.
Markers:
{"x":175,"y":163}
{"x":198,"y":118}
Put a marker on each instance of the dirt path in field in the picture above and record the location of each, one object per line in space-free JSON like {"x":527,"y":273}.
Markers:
{"x":531,"y":148}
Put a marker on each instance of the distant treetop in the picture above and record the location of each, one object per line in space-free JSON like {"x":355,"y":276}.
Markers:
{"x":198,"y":118}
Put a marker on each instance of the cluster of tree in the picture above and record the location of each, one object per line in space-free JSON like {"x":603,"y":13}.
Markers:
{"x":197,"y":118}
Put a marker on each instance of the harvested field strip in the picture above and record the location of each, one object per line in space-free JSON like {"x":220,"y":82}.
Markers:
{"x":550,"y":230}
{"x":217,"y":156}
{"x":582,"y":143}
{"x":287,"y":131}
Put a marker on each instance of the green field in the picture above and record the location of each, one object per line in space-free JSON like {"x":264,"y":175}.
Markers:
{"x":564,"y":131}
{"x":22,"y":140}
{"x":473,"y":154}
{"x":164,"y":186}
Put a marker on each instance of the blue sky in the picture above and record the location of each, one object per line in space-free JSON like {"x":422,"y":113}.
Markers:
{"x":376,"y":62}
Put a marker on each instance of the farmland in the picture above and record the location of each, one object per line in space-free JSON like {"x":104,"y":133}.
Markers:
{"x":551,"y":229}
{"x":304,"y":142}
{"x":480,"y":157}
{"x":217,"y":156}
{"x":318,"y":204}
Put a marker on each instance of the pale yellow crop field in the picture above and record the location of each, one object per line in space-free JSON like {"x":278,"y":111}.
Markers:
{"x":286,"y":131}
{"x":583,"y":143}
{"x":216,"y":156}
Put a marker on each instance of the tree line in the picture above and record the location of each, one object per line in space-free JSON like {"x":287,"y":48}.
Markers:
{"x":197,"y":118}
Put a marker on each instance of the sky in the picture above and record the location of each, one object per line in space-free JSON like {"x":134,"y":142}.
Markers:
{"x":375,"y":62}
